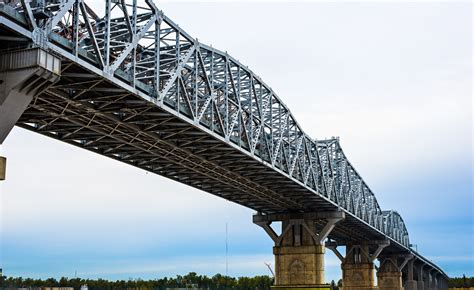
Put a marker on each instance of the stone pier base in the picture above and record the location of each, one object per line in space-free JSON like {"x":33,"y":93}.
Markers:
{"x":299,"y":249}
{"x":305,"y":287}
{"x":411,"y":285}
{"x":358,"y":276}
{"x":299,"y":265}
{"x":390,"y":280}
{"x":420,"y":285}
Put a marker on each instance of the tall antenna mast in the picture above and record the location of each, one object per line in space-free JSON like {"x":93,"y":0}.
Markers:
{"x":226,"y":252}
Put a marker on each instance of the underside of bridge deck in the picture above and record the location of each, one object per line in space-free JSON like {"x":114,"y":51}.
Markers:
{"x":96,"y":115}
{"x":191,"y":113}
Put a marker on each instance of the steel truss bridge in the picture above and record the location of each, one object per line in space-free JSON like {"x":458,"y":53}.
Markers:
{"x":137,"y":88}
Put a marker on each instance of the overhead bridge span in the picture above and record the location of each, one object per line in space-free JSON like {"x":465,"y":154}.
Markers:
{"x":132,"y":85}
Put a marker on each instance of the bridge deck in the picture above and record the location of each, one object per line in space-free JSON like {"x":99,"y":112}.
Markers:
{"x":159,"y":100}
{"x":110,"y":121}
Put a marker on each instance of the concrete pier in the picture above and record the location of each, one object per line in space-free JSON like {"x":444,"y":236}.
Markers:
{"x":358,"y":264}
{"x":299,"y":250}
{"x":411,"y":284}
{"x":390,"y":279}
{"x":299,"y":265}
{"x":389,"y":275}
{"x":358,"y":269}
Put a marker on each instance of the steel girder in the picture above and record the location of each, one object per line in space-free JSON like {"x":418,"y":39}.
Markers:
{"x":136,"y":87}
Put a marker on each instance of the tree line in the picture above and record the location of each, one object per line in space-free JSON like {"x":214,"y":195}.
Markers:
{"x":216,"y":282}
{"x":461,"y":282}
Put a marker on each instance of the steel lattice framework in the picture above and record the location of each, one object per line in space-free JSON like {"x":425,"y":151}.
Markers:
{"x":137,"y":88}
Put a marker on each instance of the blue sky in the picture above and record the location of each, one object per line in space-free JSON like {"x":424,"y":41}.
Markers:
{"x":392,"y":80}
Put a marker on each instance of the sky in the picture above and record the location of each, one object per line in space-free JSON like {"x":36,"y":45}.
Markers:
{"x":392,"y":79}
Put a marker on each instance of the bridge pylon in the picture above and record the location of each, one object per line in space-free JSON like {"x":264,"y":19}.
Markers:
{"x":358,"y":270}
{"x":299,"y":249}
{"x":411,"y":283}
{"x":420,"y":276}
{"x":389,"y":274}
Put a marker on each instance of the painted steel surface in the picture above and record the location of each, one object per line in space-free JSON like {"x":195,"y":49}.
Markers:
{"x":137,"y":88}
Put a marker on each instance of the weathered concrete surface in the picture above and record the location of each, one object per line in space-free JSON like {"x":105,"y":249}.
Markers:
{"x":358,"y":276}
{"x":389,"y":277}
{"x":299,"y":260}
{"x":389,"y":280}
{"x":299,"y":265}
{"x":299,"y":250}
{"x":420,"y":285}
{"x":411,"y":285}
{"x":358,"y":268}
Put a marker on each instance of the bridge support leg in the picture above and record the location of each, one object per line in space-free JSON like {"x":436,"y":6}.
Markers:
{"x":420,"y":277}
{"x":420,"y":285}
{"x":428,"y":280}
{"x":358,"y":265}
{"x":432,"y":279}
{"x":23,"y":74}
{"x":443,"y":284}
{"x":411,"y":284}
{"x":299,"y":249}
{"x":435,"y":284}
{"x":389,"y":275}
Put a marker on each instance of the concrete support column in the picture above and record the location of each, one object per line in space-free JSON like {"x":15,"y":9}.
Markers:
{"x":411,"y":284}
{"x":438,"y":280}
{"x":420,"y":277}
{"x":420,"y":285}
{"x":299,"y":250}
{"x":389,"y":275}
{"x":358,"y":265}
{"x":357,"y":268}
{"x":443,"y":283}
{"x":427,"y":280}
{"x":432,"y":279}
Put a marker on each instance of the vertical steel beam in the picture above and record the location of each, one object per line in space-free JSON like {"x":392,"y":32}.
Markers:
{"x":75,"y":27}
{"x":108,"y":19}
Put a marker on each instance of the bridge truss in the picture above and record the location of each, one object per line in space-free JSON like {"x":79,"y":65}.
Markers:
{"x":137,"y":88}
